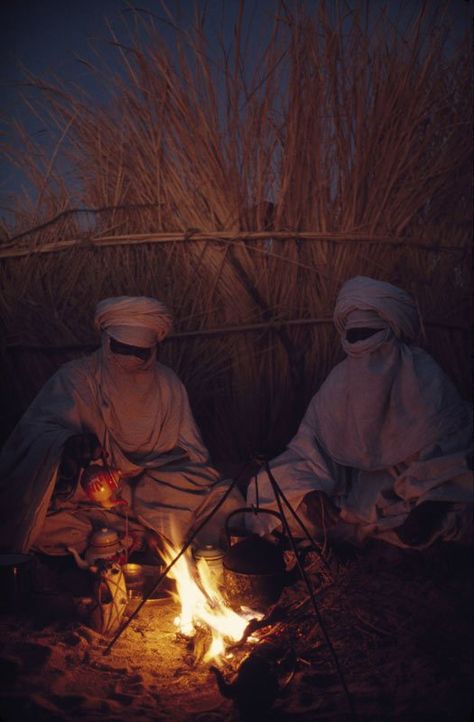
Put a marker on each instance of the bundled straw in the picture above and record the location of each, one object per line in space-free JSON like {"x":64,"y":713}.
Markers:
{"x":242,"y":188}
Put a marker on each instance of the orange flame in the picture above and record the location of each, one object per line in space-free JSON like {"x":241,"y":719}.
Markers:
{"x":202,"y":603}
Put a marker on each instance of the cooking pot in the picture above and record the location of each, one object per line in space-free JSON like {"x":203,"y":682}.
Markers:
{"x":134,"y":579}
{"x":213,"y":556}
{"x":254,"y":568}
{"x":16,"y":576}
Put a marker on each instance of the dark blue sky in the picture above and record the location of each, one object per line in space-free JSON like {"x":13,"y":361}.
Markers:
{"x":47,"y":37}
{"x":44,"y":35}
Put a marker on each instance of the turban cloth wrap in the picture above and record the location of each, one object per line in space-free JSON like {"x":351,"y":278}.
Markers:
{"x":387,"y":400}
{"x":137,"y":321}
{"x":365,"y":302}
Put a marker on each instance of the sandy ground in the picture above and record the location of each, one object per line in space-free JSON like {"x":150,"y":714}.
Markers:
{"x":399,"y":622}
{"x":56,"y":670}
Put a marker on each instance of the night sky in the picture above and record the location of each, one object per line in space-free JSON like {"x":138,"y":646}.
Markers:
{"x":47,"y":37}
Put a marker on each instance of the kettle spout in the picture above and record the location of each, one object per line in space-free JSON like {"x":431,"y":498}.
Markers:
{"x":81,"y":563}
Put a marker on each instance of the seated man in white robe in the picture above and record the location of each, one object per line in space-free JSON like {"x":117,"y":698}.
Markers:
{"x":121,"y":408}
{"x":385,"y":447}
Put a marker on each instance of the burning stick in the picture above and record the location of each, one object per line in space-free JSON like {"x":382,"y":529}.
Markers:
{"x":174,"y":561}
{"x":276,"y":614}
{"x":209,"y":608}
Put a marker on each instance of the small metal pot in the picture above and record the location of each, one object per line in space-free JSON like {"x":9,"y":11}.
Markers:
{"x":16,"y":581}
{"x":213,"y":557}
{"x":254,"y":569}
{"x":134,"y":579}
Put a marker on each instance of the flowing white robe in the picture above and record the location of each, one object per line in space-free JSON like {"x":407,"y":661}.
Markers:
{"x":143,"y":419}
{"x":386,"y":431}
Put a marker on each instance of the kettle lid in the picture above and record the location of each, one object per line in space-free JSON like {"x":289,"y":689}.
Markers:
{"x":104,"y":537}
{"x":208,"y":552}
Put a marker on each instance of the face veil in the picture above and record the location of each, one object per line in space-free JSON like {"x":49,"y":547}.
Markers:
{"x":388,"y":399}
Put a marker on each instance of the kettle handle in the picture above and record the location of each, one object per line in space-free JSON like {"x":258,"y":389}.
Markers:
{"x":245,"y":509}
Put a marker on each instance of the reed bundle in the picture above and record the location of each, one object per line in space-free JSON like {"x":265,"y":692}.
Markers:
{"x":243,"y":188}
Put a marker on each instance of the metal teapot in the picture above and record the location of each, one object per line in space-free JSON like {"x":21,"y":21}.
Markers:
{"x":254,"y":568}
{"x":106,"y":546}
{"x":102,"y":485}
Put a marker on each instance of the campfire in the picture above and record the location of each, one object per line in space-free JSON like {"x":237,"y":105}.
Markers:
{"x":239,"y":645}
{"x":204,"y":607}
{"x":255,"y":647}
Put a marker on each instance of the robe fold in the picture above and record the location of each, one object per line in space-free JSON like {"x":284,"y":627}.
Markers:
{"x":386,"y":431}
{"x":141,"y":416}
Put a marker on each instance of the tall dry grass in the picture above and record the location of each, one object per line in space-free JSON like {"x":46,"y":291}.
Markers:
{"x":345,"y":143}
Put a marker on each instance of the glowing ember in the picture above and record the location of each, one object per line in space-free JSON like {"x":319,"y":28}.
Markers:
{"x":202,"y":603}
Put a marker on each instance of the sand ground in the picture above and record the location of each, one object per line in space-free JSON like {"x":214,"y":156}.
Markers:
{"x":400,"y":625}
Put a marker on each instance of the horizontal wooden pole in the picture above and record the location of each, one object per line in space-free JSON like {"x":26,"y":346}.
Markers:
{"x":8,"y":250}
{"x":206,"y":332}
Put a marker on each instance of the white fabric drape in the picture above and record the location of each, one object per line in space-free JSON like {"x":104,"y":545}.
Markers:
{"x":387,"y":411}
{"x":149,"y":434}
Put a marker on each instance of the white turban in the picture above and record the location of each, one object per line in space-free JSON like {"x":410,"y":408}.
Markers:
{"x":134,"y":320}
{"x":361,"y":300}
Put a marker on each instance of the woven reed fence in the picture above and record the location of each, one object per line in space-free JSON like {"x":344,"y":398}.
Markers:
{"x":243,"y":198}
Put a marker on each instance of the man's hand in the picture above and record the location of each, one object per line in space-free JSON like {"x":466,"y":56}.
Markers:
{"x":81,"y":449}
